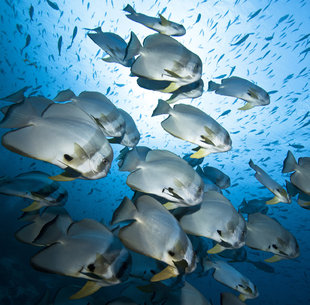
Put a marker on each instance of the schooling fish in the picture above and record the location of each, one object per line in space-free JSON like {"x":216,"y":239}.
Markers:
{"x":156,"y":233}
{"x":165,"y":59}
{"x":114,"y":45}
{"x":28,"y":39}
{"x":31,"y":10}
{"x":303,"y":199}
{"x":190,"y":91}
{"x":53,"y":5}
{"x":46,"y":228}
{"x":216,"y":219}
{"x":301,"y":176}
{"x":243,"y":89}
{"x":59,"y":45}
{"x":208,"y":184}
{"x":35,"y":186}
{"x":75,"y":30}
{"x":131,"y":136}
{"x":280,"y":194}
{"x":88,"y":250}
{"x":193,"y":125}
{"x":161,"y":24}
{"x":99,"y":107}
{"x":253,"y":206}
{"x":267,"y":234}
{"x":216,"y":176}
{"x":61,"y":134}
{"x":164,"y":174}
{"x":229,"y":276}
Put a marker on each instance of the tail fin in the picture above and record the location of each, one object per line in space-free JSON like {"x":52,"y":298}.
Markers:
{"x":133,"y":48}
{"x":289,"y":164}
{"x":129,"y":9}
{"x":125,"y":211}
{"x":162,"y":108}
{"x":212,"y":86}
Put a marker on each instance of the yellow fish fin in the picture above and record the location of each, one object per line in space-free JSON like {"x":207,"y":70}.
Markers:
{"x":216,"y":249}
{"x":165,"y":274}
{"x":172,"y":87}
{"x":202,"y":152}
{"x":274,"y":200}
{"x":242,"y":297}
{"x":62,"y":178}
{"x":306,"y":204}
{"x":247,"y":106}
{"x":273,"y":259}
{"x":164,"y":21}
{"x":170,"y":205}
{"x":89,"y":288}
{"x":33,"y":206}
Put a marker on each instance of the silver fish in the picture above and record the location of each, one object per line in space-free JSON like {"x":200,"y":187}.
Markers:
{"x":114,"y":45}
{"x":99,"y":107}
{"x":164,"y":174}
{"x":161,"y":24}
{"x":217,"y":176}
{"x":229,"y":276}
{"x":35,"y":186}
{"x":61,"y":134}
{"x":274,"y":187}
{"x":301,"y":176}
{"x":163,"y":58}
{"x":267,"y":234}
{"x":228,"y":298}
{"x":155,"y":233}
{"x":243,"y":89}
{"x":217,"y":219}
{"x":193,"y":125}
{"x":88,"y":250}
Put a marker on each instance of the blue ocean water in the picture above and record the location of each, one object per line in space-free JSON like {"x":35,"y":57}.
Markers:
{"x":273,"y":55}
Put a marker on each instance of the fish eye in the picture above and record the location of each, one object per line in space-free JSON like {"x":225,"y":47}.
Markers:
{"x":68,"y":158}
{"x":91,"y":267}
{"x":171,"y":253}
{"x":242,"y":286}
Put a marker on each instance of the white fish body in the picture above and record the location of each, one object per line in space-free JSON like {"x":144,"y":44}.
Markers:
{"x":193,"y":125}
{"x":216,"y":219}
{"x":114,"y":45}
{"x":98,"y":106}
{"x":36,"y":186}
{"x":229,"y":276}
{"x":131,"y":136}
{"x":243,"y":89}
{"x":274,"y":187}
{"x":155,"y":233}
{"x":160,"y":25}
{"x":166,"y":175}
{"x":62,"y":135}
{"x":266,"y":234}
{"x":165,"y":59}
{"x":301,"y":176}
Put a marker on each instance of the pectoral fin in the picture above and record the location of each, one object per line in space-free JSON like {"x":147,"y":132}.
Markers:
{"x":216,"y":249}
{"x":242,"y":297}
{"x":273,"y":259}
{"x":165,"y":274}
{"x":33,"y":206}
{"x":201,"y":153}
{"x":170,"y":205}
{"x":69,"y":174}
{"x":171,"y":88}
{"x":274,"y":200}
{"x":88,"y":289}
{"x":247,"y":106}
